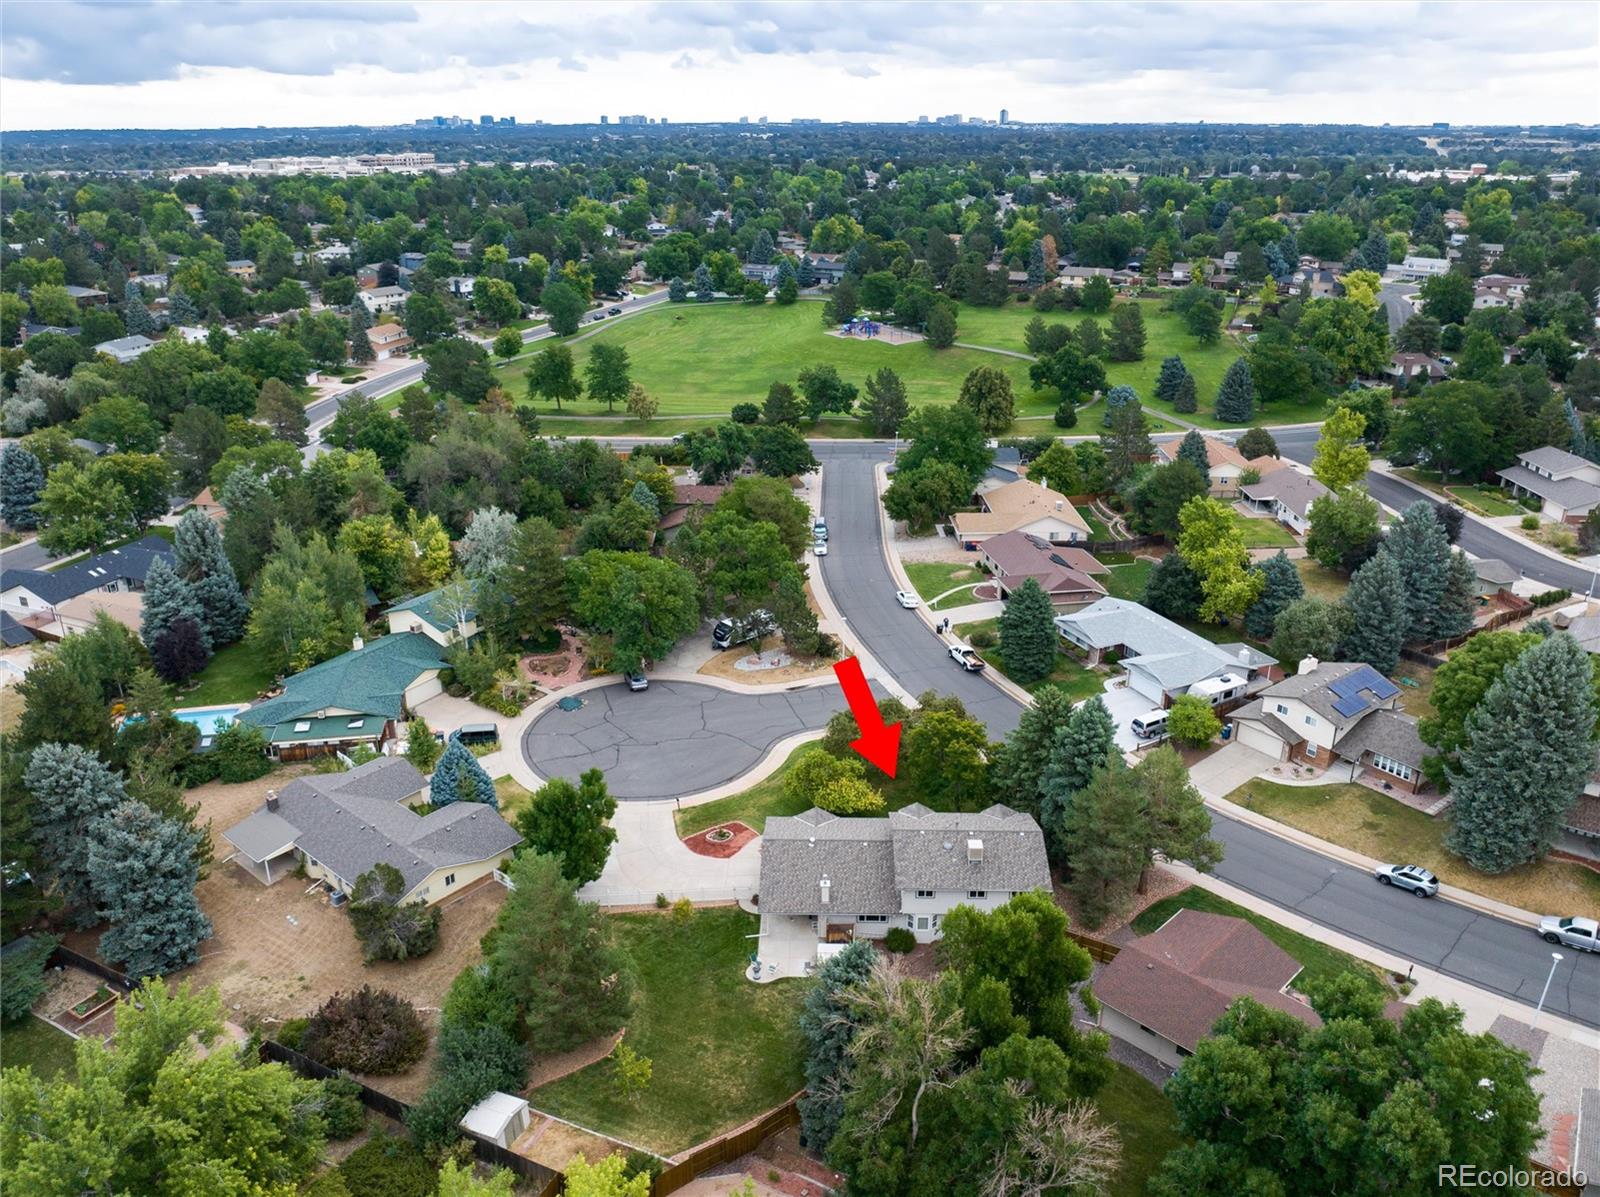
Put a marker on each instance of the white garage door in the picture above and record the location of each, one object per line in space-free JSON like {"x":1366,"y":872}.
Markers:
{"x":424,"y":690}
{"x":1253,"y":735}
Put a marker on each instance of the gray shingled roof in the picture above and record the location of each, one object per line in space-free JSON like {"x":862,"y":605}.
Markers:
{"x":1548,"y":457}
{"x":868,"y":862}
{"x":1312,"y":689}
{"x":131,"y":562}
{"x":351,"y":821}
{"x":1170,"y":653}
{"x":1288,"y":486}
{"x":1389,"y":733}
{"x":1564,"y":492}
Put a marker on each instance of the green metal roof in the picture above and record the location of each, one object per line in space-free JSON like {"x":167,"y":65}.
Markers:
{"x":371,"y":679}
{"x":328,"y":727}
{"x":423,"y":605}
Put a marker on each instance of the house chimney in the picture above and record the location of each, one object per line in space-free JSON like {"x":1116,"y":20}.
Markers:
{"x":1308,"y":665}
{"x":1059,"y":503}
{"x":272,"y":799}
{"x":824,"y":885}
{"x":1244,"y":656}
{"x":974,"y":851}
{"x":357,"y":644}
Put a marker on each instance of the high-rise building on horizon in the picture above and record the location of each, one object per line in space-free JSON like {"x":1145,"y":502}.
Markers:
{"x":1004,"y":114}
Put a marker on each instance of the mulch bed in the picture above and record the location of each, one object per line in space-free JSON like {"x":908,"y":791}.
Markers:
{"x":702,"y":844}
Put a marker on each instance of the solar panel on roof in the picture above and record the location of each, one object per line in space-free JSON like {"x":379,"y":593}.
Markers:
{"x":1353,"y":705}
{"x":1368,"y":678}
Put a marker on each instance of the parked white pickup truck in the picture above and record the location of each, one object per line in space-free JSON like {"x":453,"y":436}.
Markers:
{"x":965,"y":656}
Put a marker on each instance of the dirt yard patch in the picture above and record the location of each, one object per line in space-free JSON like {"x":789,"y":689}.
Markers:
{"x":726,"y":665}
{"x":556,"y":670}
{"x":707,"y":843}
{"x":554,"y":1143}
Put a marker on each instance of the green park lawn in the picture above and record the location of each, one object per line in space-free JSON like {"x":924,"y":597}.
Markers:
{"x":35,"y":1044}
{"x":1145,"y":1122}
{"x":723,"y":1049}
{"x":1068,"y":675}
{"x":1318,"y":959}
{"x":1128,"y":581}
{"x":1376,"y":825}
{"x":236,"y":674}
{"x":702,"y":359}
{"x":1003,"y":328}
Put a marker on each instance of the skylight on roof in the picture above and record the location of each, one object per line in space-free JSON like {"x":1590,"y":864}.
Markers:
{"x":354,"y":723}
{"x":302,"y":726}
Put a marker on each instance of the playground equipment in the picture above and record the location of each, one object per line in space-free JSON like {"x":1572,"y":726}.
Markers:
{"x":858,"y":326}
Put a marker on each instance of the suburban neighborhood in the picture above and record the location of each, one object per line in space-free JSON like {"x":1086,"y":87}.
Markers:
{"x":840,"y":654}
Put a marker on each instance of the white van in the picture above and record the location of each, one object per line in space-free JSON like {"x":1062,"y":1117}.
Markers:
{"x":1150,"y":725}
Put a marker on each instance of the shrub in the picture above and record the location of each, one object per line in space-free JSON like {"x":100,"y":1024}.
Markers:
{"x":391,"y":1166}
{"x":815,"y":772}
{"x":293,"y":1033}
{"x":370,"y":1031}
{"x":983,"y":638}
{"x":329,"y":1184}
{"x":1192,"y":721}
{"x":898,"y":939}
{"x":746,"y":413}
{"x":240,"y":751}
{"x":22,"y":977}
{"x":387,"y":928}
{"x":473,"y":1062}
{"x":342,"y":1112}
{"x":422,"y":750}
{"x":849,"y":796}
{"x":682,"y":911}
{"x":1563,"y":538}
{"x":661,"y":902}
{"x":1550,"y":597}
{"x":1530,"y":522}
{"x":1066,"y":415}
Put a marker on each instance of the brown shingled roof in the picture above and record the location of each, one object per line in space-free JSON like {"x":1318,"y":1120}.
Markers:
{"x":1179,"y":980}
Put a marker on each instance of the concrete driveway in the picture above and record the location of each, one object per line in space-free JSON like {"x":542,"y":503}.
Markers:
{"x":1228,"y":768}
{"x":1126,"y":705}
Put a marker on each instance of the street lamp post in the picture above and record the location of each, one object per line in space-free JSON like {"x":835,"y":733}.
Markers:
{"x":1555,"y":959}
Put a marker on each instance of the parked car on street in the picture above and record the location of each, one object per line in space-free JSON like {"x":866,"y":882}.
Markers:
{"x":637,"y":680}
{"x":1577,"y":932}
{"x":967,"y":657}
{"x":1412,"y":877}
{"x":613,"y":311}
{"x":820,"y":549}
{"x":907,"y":599}
{"x":819,"y":530}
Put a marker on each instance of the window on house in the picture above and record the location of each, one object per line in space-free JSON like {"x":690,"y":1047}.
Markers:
{"x":977,"y":893}
{"x":1311,"y":721}
{"x":449,"y":878}
{"x":1311,"y":750}
{"x":1183,"y":1051}
{"x":872,"y":918}
{"x":1282,"y":710}
{"x":922,"y":922}
{"x":924,"y":893}
{"x":1391,"y":766}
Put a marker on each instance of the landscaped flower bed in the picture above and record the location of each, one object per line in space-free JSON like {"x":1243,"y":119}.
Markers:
{"x":94,"y":1003}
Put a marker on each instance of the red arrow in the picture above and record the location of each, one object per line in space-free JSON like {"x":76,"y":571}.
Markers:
{"x":879,"y":744}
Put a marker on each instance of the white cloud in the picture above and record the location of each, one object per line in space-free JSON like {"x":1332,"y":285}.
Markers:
{"x":74,"y":64}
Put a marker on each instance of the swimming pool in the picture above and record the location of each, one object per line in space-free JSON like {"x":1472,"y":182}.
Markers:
{"x":210,"y":720}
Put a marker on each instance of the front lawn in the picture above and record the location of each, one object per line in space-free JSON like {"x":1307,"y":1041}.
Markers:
{"x":512,"y":796}
{"x":36,"y":1044}
{"x":1145,"y":1122}
{"x":1068,"y":675}
{"x":724,"y":1049}
{"x":753,"y":806}
{"x":930,"y":579}
{"x":753,"y":347}
{"x":1318,"y":959}
{"x":1487,"y":499}
{"x":238,"y":673}
{"x":1371,"y":823}
{"x":1128,"y":581}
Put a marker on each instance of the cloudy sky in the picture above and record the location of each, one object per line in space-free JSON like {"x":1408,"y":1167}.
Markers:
{"x":67,"y":64}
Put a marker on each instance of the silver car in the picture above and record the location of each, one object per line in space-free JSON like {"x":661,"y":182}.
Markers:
{"x":1412,"y":877}
{"x":1580,"y":933}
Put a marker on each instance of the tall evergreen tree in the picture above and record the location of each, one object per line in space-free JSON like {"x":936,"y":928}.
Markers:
{"x":761,"y":248}
{"x":677,"y":290}
{"x":1027,"y":634}
{"x":1127,"y":338}
{"x":459,"y":778}
{"x":1419,"y":547}
{"x":1377,"y":601}
{"x":1036,"y":267}
{"x":704,"y":287}
{"x":1186,"y":397}
{"x":136,"y":317}
{"x":885,"y":404}
{"x":1529,"y":752}
{"x":1017,"y":768}
{"x":361,"y":351}
{"x":167,"y":598}
{"x":571,"y":822}
{"x":71,"y":788}
{"x":1193,"y":450}
{"x":182,"y":309}
{"x":1460,"y":597}
{"x":807,"y":273}
{"x":1172,"y":372}
{"x":1236,"y":397}
{"x":143,"y":871}
{"x":1283,"y":587}
{"x":828,"y":1024}
{"x":1080,"y":748}
{"x":202,"y":562}
{"x":21,"y":481}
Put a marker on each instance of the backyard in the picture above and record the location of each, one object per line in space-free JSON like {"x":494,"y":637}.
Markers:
{"x":1128,"y":581}
{"x":1320,"y":581}
{"x":1318,"y":960}
{"x":753,"y":347}
{"x":1068,"y":675}
{"x":1263,"y":533}
{"x":237,"y":673}
{"x":724,"y":1049}
{"x":1146,"y":1124}
{"x":1371,"y":823}
{"x":34,"y":1043}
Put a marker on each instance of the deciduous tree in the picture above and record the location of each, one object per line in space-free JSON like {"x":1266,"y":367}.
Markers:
{"x":570,"y":822}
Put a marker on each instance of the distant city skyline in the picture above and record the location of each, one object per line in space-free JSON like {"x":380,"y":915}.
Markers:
{"x":187,"y":65}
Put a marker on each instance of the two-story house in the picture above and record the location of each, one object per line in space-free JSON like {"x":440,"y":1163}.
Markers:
{"x":1333,"y":711}
{"x":826,"y":879}
{"x":387,"y":341}
{"x":1567,"y":486}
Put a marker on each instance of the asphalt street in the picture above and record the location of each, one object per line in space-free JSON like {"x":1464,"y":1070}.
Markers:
{"x":1492,"y":953}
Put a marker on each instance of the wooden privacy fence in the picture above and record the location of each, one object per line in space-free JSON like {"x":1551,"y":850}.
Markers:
{"x":1120,"y":546}
{"x":728,"y":1147}
{"x":1100,"y":950}
{"x":548,"y":1181}
{"x":63,"y":957}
